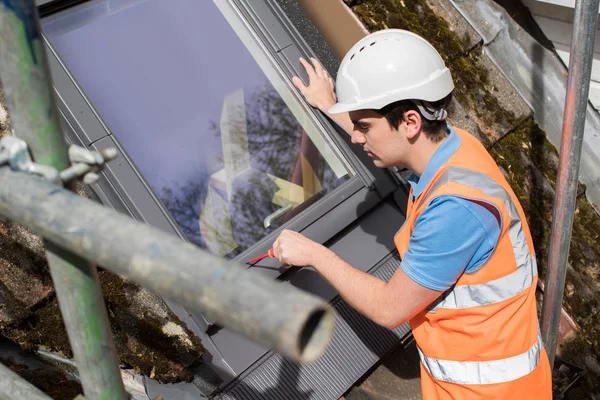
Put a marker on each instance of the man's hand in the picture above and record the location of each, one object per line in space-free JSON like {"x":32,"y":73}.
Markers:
{"x":320,"y":90}
{"x":388,"y":304}
{"x":294,"y":249}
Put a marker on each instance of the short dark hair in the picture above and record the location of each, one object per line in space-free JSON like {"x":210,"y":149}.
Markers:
{"x":436,"y":131}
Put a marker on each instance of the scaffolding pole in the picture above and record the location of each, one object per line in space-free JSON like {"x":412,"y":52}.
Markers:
{"x":580,"y":67}
{"x":271,"y":313}
{"x":28,"y":91}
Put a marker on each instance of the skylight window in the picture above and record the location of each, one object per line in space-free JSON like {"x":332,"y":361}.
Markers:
{"x":206,"y":126}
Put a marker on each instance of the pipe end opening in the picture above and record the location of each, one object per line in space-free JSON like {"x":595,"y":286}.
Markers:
{"x":316,"y":334}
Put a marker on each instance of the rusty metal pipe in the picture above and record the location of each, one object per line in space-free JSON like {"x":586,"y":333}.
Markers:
{"x":275,"y":314}
{"x":580,"y":67}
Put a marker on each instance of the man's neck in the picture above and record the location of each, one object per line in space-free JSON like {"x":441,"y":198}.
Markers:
{"x":423,"y":152}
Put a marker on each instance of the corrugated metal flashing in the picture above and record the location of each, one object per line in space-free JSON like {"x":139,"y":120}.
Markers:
{"x":357,"y":345}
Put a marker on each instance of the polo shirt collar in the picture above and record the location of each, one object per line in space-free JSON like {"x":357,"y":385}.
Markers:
{"x":441,"y":155}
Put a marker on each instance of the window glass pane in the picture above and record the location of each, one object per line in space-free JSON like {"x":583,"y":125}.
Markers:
{"x":192,"y":108}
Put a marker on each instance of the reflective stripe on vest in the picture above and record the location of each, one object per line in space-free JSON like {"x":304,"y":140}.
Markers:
{"x":502,"y":288}
{"x":488,"y":293}
{"x":484,"y":372}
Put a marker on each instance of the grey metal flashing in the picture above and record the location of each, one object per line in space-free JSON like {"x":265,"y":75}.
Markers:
{"x":331,"y":214}
{"x":321,"y":222}
{"x":276,"y":378}
{"x":273,"y":31}
{"x":69,"y":131}
{"x":72,"y":102}
{"x":107,"y":197}
{"x":540,"y":77}
{"x":297,"y":18}
{"x":230,"y":354}
{"x":375,"y":234}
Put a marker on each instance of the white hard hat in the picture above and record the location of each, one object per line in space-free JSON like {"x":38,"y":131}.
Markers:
{"x":388,"y":66}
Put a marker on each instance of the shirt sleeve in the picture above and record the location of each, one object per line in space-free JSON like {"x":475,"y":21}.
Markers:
{"x":451,"y":236}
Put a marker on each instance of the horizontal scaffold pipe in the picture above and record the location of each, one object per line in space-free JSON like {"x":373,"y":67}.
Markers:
{"x":275,"y":314}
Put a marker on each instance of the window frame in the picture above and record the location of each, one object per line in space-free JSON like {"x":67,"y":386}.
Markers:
{"x":86,"y":125}
{"x":123,"y":187}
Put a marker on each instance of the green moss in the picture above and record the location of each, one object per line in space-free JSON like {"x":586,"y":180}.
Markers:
{"x":415,"y":16}
{"x":575,"y":351}
{"x":140,"y":341}
{"x":470,"y":78}
{"x":45,"y":328}
{"x":526,"y":180}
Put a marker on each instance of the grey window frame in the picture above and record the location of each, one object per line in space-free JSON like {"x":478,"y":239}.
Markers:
{"x":84,"y":125}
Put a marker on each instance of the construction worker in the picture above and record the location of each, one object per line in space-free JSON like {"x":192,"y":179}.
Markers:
{"x":468,"y":274}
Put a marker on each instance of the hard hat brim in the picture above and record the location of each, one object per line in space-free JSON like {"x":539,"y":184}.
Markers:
{"x":434,"y":89}
{"x":369,"y":104}
{"x":339,"y":108}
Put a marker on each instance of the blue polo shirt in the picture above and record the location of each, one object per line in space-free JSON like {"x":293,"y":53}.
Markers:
{"x":452,"y":235}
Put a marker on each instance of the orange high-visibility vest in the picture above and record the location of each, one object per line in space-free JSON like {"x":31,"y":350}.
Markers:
{"x":480,"y":339}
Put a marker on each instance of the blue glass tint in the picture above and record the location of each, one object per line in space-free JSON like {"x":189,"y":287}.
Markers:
{"x":197,"y":115}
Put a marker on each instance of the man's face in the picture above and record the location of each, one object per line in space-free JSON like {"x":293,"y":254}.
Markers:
{"x":382,"y":143}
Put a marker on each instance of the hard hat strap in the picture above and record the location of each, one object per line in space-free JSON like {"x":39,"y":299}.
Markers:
{"x":429,"y":112}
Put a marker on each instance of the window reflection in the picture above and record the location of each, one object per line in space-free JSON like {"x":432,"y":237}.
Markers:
{"x":197,"y":115}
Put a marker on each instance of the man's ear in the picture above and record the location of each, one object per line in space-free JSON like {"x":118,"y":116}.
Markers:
{"x":412,"y":123}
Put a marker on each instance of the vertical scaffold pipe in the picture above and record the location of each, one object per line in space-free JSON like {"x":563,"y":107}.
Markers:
{"x":28,"y":90}
{"x":578,"y":84}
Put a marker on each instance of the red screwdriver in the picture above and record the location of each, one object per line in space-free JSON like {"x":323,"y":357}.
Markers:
{"x":269,"y":253}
